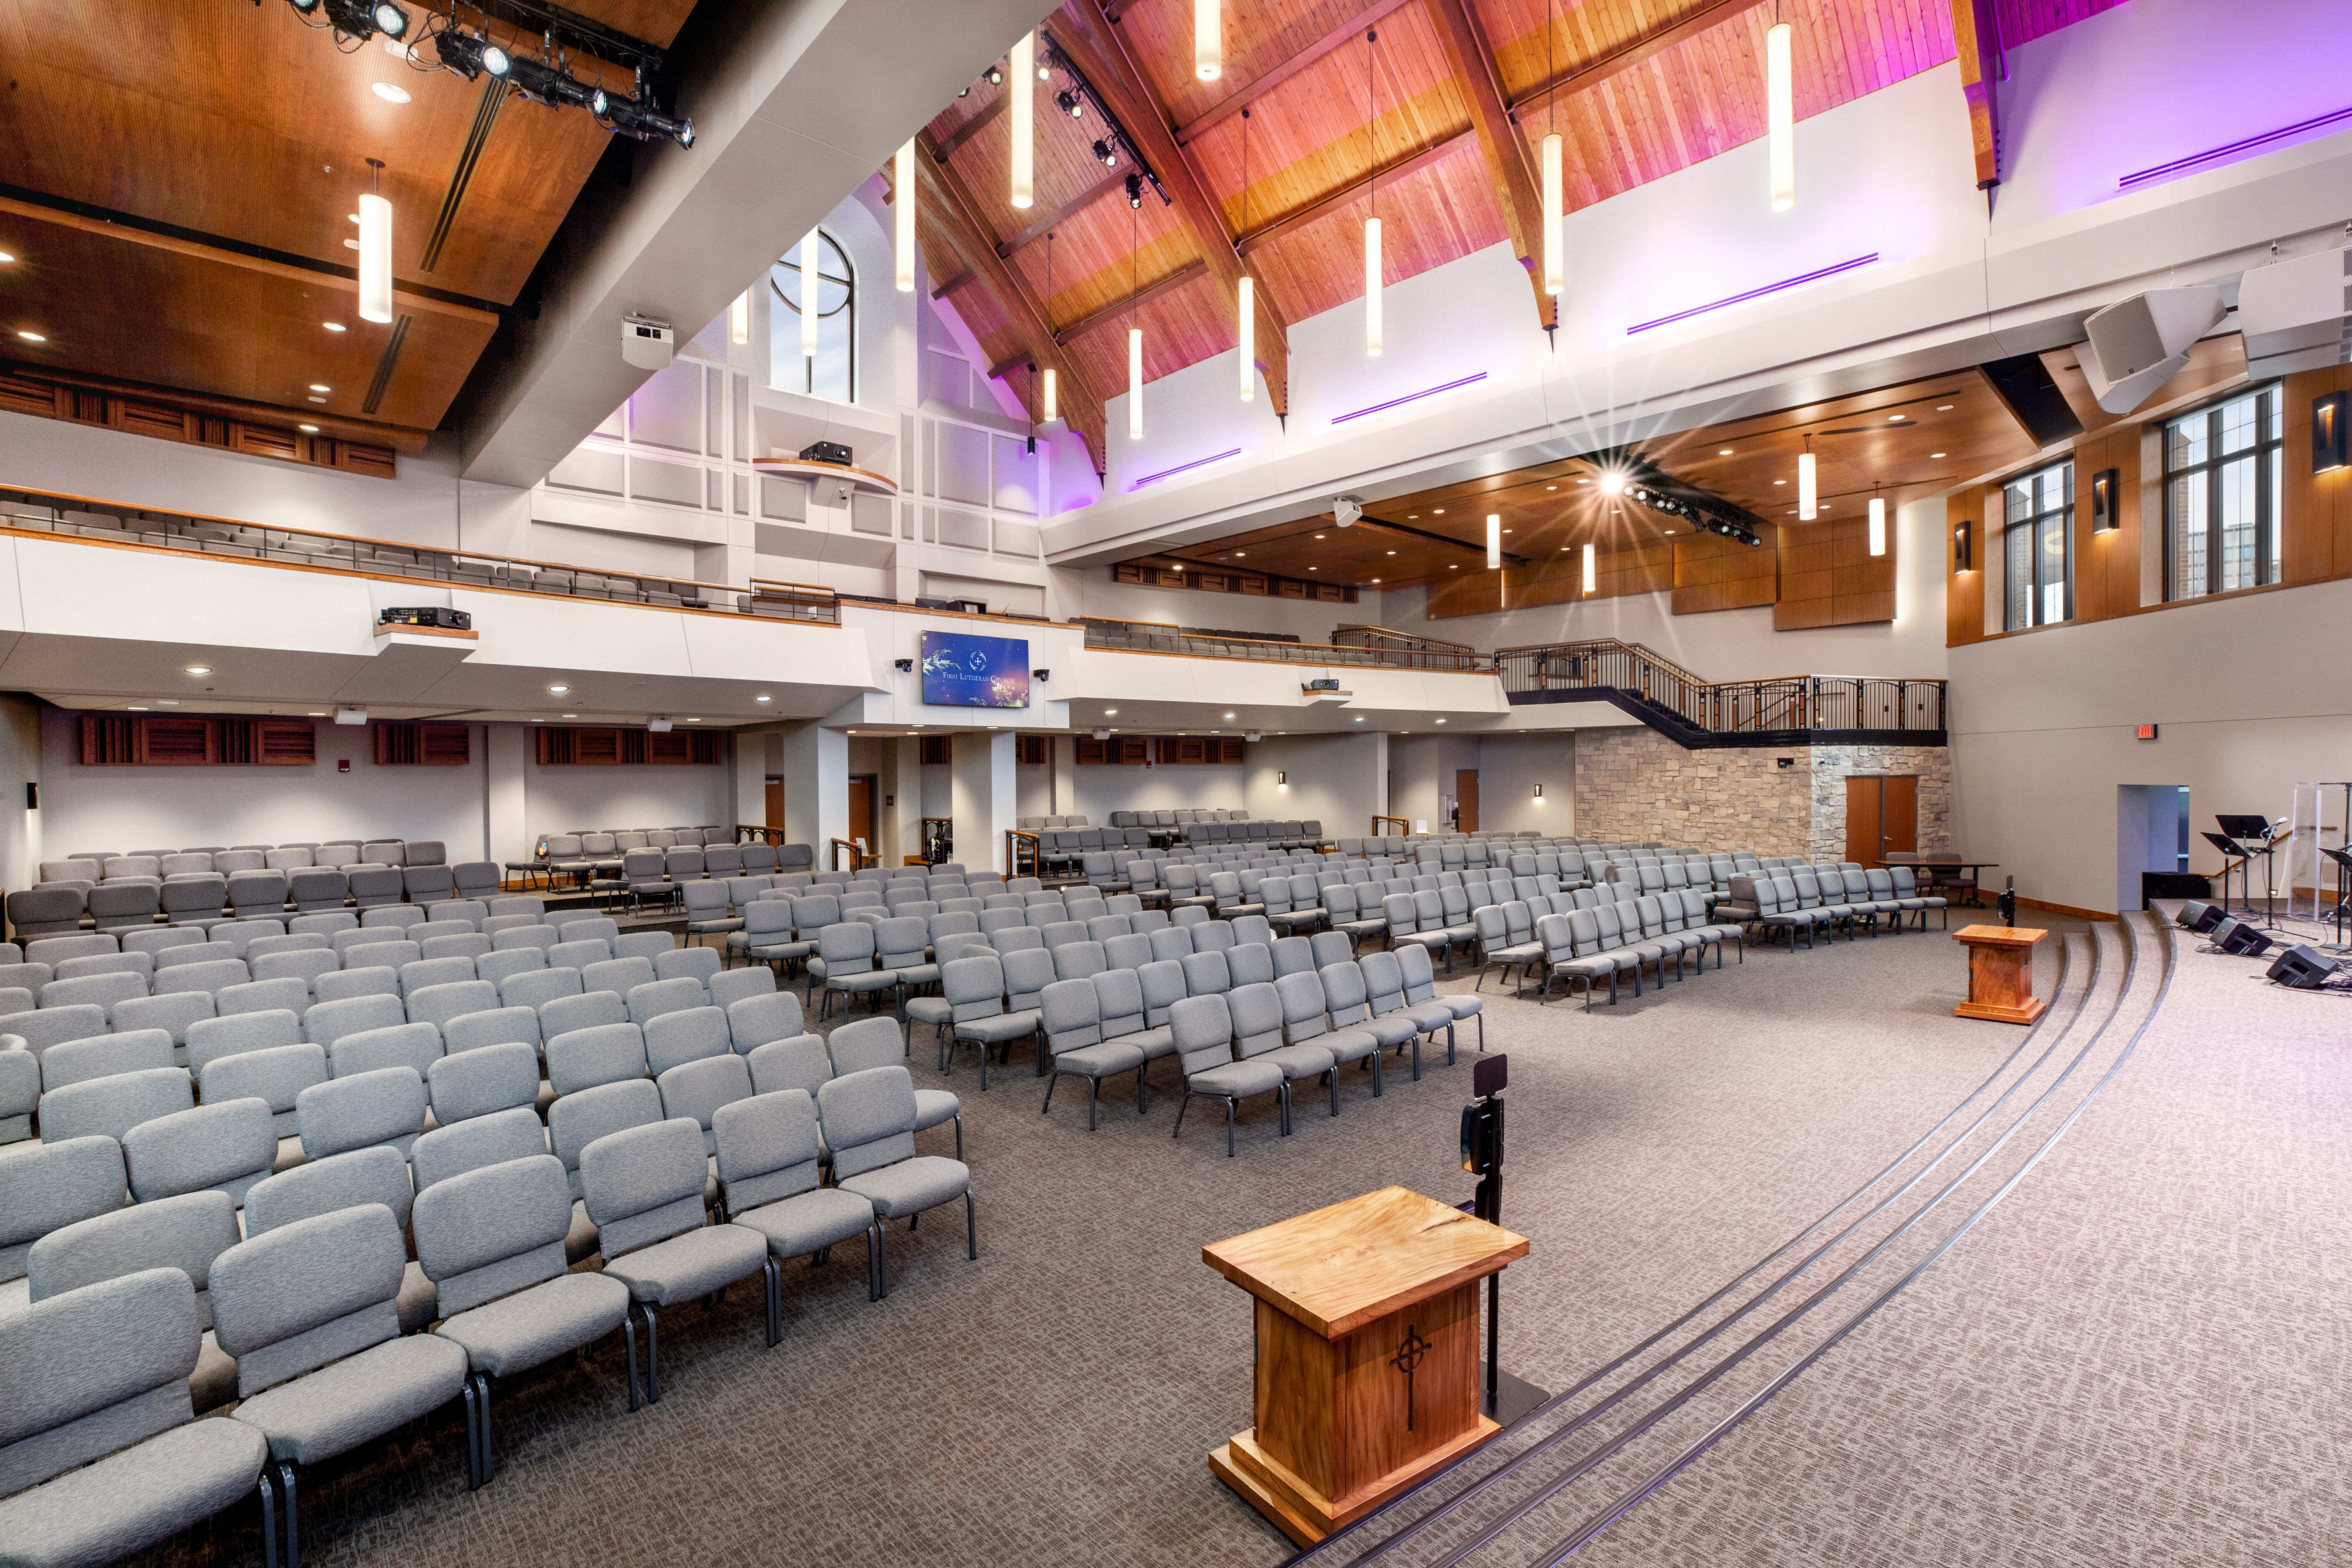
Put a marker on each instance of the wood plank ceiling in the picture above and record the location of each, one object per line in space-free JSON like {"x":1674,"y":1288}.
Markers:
{"x":1638,"y":89}
{"x":231,"y":129}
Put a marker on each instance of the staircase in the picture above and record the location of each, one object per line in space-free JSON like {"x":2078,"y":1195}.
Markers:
{"x":1783,"y":711}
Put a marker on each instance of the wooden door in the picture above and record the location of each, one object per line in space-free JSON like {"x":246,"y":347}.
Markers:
{"x":775,"y":804}
{"x":1881,"y":814}
{"x":1465,"y":795}
{"x":861,"y":809}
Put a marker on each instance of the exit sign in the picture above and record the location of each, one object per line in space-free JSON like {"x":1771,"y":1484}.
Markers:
{"x":2146,"y":732}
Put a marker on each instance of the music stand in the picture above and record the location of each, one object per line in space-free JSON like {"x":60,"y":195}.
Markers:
{"x":2230,"y":849}
{"x":2252,"y":833}
{"x":2343,"y":858}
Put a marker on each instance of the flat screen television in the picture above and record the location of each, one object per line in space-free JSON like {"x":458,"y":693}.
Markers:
{"x":964,"y":671}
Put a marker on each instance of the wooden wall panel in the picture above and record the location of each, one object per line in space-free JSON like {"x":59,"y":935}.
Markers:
{"x":2106,"y":565}
{"x":1712,"y":572}
{"x":1829,"y":578}
{"x":1964,"y":591}
{"x":2317,"y":546}
{"x":177,"y":740}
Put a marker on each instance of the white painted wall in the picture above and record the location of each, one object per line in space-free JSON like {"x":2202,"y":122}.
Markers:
{"x":594,"y":798}
{"x":1333,"y":779}
{"x":1103,"y":788}
{"x":1510,"y":766}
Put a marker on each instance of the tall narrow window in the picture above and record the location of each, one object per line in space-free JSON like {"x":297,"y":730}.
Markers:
{"x":2037,"y":512}
{"x":831,"y":372}
{"x":2223,"y":467}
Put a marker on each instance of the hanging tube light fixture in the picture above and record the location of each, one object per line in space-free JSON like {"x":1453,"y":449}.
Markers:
{"x":1373,"y":222}
{"x":1134,"y":338}
{"x":1779,"y":116}
{"x":1493,"y":542}
{"x":375,"y":251}
{"x":739,"y":319}
{"x":1555,"y":239}
{"x":1877,"y":525}
{"x":1592,"y":578}
{"x":809,"y":249}
{"x":1246,"y":328}
{"x":1807,"y":496}
{"x":1023,"y":89}
{"x":1052,"y":393}
{"x":905,"y":217}
{"x":1208,"y":41}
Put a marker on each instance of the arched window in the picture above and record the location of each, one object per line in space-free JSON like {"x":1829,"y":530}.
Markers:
{"x":832,"y":371}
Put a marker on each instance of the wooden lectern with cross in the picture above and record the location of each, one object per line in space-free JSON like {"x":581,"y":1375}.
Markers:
{"x":1368,"y":1372}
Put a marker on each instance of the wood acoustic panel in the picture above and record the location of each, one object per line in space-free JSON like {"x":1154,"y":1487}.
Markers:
{"x":169,"y":417}
{"x":1712,"y":572}
{"x":1829,"y":578}
{"x":176,"y":739}
{"x":563,"y":745}
{"x":423,"y":745}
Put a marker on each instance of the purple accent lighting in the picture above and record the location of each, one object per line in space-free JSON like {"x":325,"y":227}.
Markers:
{"x":1181,"y":468}
{"x":2234,"y":149}
{"x":1798,"y":282}
{"x":1408,"y":398}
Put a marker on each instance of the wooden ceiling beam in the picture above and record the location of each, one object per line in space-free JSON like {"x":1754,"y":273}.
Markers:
{"x":969,"y":129}
{"x":1634,"y":52}
{"x":948,"y":286}
{"x":1115,"y":180}
{"x":957,"y":216}
{"x":1472,"y":59}
{"x":1099,"y":52}
{"x":1976,"y":34}
{"x":1241,"y":98}
{"x":1195,"y":268}
{"x":1322,"y":206}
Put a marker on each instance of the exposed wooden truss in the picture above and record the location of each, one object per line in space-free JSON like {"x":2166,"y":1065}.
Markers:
{"x":1976,"y":34}
{"x":1241,"y":98}
{"x":1472,"y":58}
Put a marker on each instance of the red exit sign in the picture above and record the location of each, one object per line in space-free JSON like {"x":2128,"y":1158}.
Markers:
{"x":2146,"y":732}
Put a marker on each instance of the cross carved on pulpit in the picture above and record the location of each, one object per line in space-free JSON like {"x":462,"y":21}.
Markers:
{"x":1407,"y":1360}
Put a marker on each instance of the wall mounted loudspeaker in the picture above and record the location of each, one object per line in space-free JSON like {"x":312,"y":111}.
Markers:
{"x":647,"y":343}
{"x":2301,"y":968}
{"x":2138,"y":344}
{"x":2293,"y":312}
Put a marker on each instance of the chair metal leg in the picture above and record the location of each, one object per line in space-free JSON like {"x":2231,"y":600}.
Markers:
{"x":1229,"y":1127}
{"x":971,"y":1228}
{"x":1051,"y":1084}
{"x":1093,"y":1098}
{"x":489,"y":1454}
{"x":285,"y":1490}
{"x":958,"y":1126}
{"x":1181,"y":1106}
{"x":471,"y":1395}
{"x":267,"y":1488}
{"x":1283,"y":1094}
{"x":653,"y":1355}
{"x":774,"y":1272}
{"x":881,"y":1259}
{"x":1334,"y":1077}
{"x":629,"y":1349}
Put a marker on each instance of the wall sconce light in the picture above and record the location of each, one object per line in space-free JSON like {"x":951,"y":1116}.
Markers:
{"x":1282,"y":781}
{"x":2104,"y":486}
{"x":2328,"y":434}
{"x":906,"y":665}
{"x":1960,"y":557}
{"x":31,"y":797}
{"x":1539,"y":791}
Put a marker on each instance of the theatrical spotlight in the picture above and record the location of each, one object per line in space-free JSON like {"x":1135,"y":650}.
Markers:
{"x":536,"y":79}
{"x":1135,"y":190}
{"x":1071,"y":104}
{"x":469,"y":55}
{"x":359,"y":19}
{"x":1106,"y":154}
{"x":628,"y":117}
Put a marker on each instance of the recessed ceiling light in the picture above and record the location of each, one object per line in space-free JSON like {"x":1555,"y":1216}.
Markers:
{"x":1437,"y":511}
{"x":1509,"y":531}
{"x":33,"y":337}
{"x":1393,"y":553}
{"x":332,"y":326}
{"x":320,"y":714}
{"x":1228,"y":715}
{"x":1670,"y":531}
{"x":1935,"y":454}
{"x":1780,"y":481}
{"x":1551,"y":487}
{"x":1376,"y":579}
{"x":353,"y":217}
{"x":1454,"y":568}
{"x":1441,"y":721}
{"x":1315,"y":569}
{"x":1412,"y":516}
{"x":1894,"y":419}
{"x":557,"y":690}
{"x":1110,"y":712}
{"x":6,"y":257}
{"x":1725,"y":453}
{"x":763,"y":697}
{"x":1584,"y":482}
{"x":388,"y":92}
{"x":1943,"y":408}
{"x":694,"y":720}
{"x":1360,"y":717}
{"x":1241,"y":555}
{"x":572,"y":715}
{"x":167,"y":703}
{"x":308,"y":429}
{"x":139,"y":708}
{"x":318,"y":400}
{"x":1319,"y":536}
{"x":200,"y":669}
{"x":320,"y":386}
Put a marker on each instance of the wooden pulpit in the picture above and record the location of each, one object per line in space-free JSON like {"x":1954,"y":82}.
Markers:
{"x":1368,"y":1373}
{"x":2001,"y":974}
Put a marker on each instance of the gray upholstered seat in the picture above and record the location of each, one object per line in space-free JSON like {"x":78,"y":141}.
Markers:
{"x":186,"y":1232}
{"x":768,"y":1147}
{"x":1256,"y":1010}
{"x":1071,"y":1017}
{"x":645,"y":1188}
{"x":1203,"y":1030}
{"x":101,"y":1374}
{"x":870,"y":1123}
{"x":48,"y":1185}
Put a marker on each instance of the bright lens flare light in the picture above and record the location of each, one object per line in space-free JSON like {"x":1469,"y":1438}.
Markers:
{"x":810,"y":289}
{"x":1878,"y":526}
{"x":1555,"y":241}
{"x":1248,"y":332}
{"x":903,"y":198}
{"x":375,"y":259}
{"x":1780,"y":115}
{"x":1372,"y":287}
{"x":1493,"y":542}
{"x":1613,"y":483}
{"x":1024,"y":91}
{"x":1805,"y":493}
{"x":1135,"y":384}
{"x":739,"y":319}
{"x":1208,"y":41}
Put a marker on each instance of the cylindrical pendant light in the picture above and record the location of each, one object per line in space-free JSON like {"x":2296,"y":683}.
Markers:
{"x":1806,"y":494}
{"x":1591,"y":579}
{"x":1372,"y":287}
{"x":1493,"y":542}
{"x":1023,"y":87}
{"x":906,"y":203}
{"x":375,"y":253}
{"x":1555,"y":241}
{"x":1878,"y":526}
{"x":1780,"y":115}
{"x":1208,"y":41}
{"x":1248,"y":339}
{"x":809,"y":250}
{"x":739,"y":319}
{"x":1135,"y":384}
{"x":1053,"y":397}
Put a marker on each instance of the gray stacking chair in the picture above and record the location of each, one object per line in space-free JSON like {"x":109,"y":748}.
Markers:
{"x":492,"y":1241}
{"x":1203,"y":1031}
{"x":882,"y":1042}
{"x":581,"y":1010}
{"x":682,"y":1034}
{"x":112,"y":1105}
{"x":226,"y":1146}
{"x":645,"y":1189}
{"x":20,"y":1093}
{"x":589,"y":1058}
{"x":275,"y":1075}
{"x":973,"y":989}
{"x":697,"y":964}
{"x":437,"y":1005}
{"x":1071,"y":1019}
{"x":184,"y":1233}
{"x":413,"y":1046}
{"x":328,"y":1022}
{"x":754,"y":1021}
{"x":357,"y":1177}
{"x":1304,"y":1006}
{"x":47,"y":1185}
{"x":648,"y":945}
{"x":733,"y":986}
{"x":579,"y":955}
{"x":101,"y":1374}
{"x":1422,"y":998}
{"x":1256,"y":1012}
{"x":342,"y":986}
{"x":316,"y":1396}
{"x":104,"y":1055}
{"x":482,"y":1082}
{"x":695,"y":1090}
{"x":497,"y":967}
{"x":869,"y":1124}
{"x":768,"y":1147}
{"x":652,"y":1000}
{"x":361,"y":1111}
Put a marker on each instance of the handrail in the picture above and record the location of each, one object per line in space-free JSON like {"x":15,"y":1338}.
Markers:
{"x":938,"y":839}
{"x":1779,"y":705}
{"x":1173,"y":640}
{"x":1012,"y":837}
{"x":859,"y":858}
{"x":1403,"y":826}
{"x":759,"y":833}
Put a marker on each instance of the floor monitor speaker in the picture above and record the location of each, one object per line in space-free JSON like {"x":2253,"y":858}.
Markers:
{"x":2237,"y":937}
{"x":2302,"y":968}
{"x":2191,"y":913}
{"x":2208,"y":917}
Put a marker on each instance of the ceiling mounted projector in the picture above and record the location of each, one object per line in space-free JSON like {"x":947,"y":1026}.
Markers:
{"x":2138,"y":344}
{"x":659,"y":723}
{"x":351,"y":715}
{"x":2297,"y":314}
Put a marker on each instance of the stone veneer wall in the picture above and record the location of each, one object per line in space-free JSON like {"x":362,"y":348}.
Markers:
{"x":1635,"y":785}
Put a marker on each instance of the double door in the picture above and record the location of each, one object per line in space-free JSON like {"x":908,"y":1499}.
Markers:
{"x":1882,"y":816}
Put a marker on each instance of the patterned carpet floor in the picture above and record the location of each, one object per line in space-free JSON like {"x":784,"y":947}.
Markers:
{"x":2137,"y":1357}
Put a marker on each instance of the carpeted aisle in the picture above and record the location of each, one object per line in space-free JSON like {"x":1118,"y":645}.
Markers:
{"x":1056,"y":1402}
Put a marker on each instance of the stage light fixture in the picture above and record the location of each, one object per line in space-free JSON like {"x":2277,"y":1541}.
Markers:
{"x":538,"y":80}
{"x":624,"y":116}
{"x":471,"y":54}
{"x":1135,"y":190}
{"x":996,"y":76}
{"x":1613,"y":483}
{"x":1106,"y":154}
{"x":1071,"y":104}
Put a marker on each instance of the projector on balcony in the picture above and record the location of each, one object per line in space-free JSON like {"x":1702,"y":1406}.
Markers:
{"x":1317,"y":692}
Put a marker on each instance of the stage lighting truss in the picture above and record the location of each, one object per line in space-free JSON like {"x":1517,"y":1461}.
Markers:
{"x":459,"y":39}
{"x":1113,"y":148}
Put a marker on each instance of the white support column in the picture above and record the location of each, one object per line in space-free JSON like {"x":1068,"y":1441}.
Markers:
{"x":985,"y":797}
{"x":902,"y":796}
{"x":748,"y":776}
{"x":506,"y":806}
{"x":1064,"y":752}
{"x":817,"y":788}
{"x":21,"y":845}
{"x":1379,"y":781}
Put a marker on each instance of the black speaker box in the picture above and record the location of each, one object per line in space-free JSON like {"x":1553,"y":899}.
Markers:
{"x":2302,"y":968}
{"x":2208,"y":917}
{"x":2191,"y":913}
{"x":2237,"y":937}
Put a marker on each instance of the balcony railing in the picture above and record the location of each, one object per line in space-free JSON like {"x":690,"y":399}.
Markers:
{"x":1677,"y":702}
{"x":78,"y":517}
{"x":1160,"y":636}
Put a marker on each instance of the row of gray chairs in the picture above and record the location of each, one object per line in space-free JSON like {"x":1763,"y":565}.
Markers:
{"x":198,"y":898}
